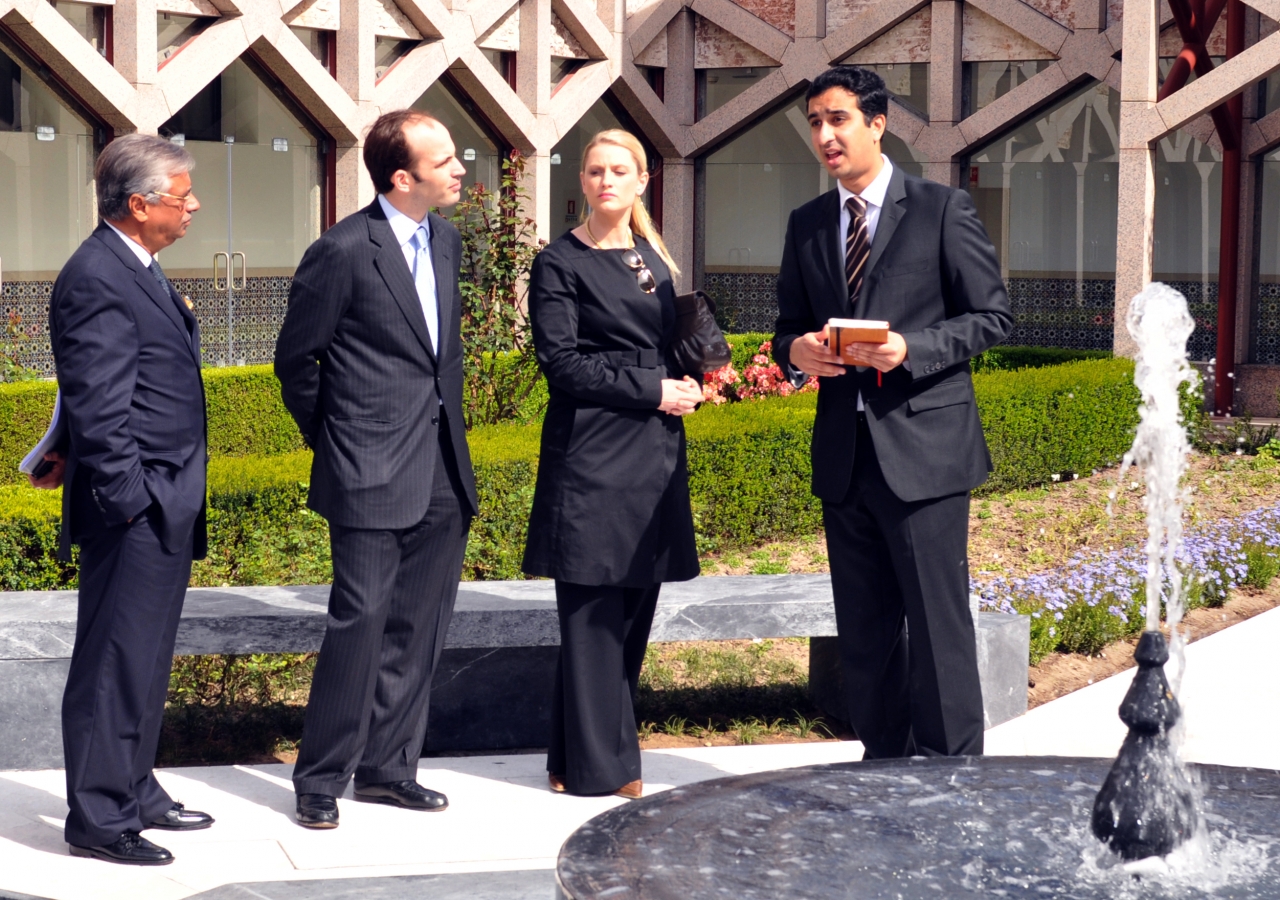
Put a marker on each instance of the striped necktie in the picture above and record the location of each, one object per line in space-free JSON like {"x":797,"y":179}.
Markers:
{"x":857,"y":247}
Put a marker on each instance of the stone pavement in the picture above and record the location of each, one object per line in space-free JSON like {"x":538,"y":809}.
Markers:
{"x":500,"y":838}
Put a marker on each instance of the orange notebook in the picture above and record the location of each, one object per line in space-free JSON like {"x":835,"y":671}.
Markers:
{"x":842,"y":332}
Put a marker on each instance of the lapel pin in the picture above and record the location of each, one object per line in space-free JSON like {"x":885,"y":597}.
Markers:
{"x":187,"y":300}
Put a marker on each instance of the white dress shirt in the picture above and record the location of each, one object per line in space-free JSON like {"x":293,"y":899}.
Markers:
{"x":404,"y":228}
{"x":144,"y":256}
{"x":873,"y":196}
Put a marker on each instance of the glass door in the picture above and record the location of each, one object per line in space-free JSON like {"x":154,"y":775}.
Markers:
{"x":259,"y":178}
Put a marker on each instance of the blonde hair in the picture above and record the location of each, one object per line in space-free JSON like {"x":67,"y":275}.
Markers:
{"x":641,"y":224}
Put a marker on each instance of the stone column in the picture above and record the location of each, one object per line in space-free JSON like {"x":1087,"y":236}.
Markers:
{"x":1135,"y":227}
{"x":945,"y":83}
{"x":134,"y":51}
{"x":680,"y":92}
{"x":677,"y":217}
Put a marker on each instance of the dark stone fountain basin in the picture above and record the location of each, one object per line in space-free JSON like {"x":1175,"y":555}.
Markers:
{"x":916,"y":828}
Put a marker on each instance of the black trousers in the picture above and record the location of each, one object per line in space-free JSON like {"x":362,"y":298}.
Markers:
{"x":900,"y":576}
{"x":131,"y":593}
{"x":389,"y":609}
{"x":603,"y":634}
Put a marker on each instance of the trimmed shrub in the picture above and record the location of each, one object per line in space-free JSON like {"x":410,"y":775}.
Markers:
{"x":246,"y":415}
{"x":748,"y":465}
{"x":1006,"y":359}
{"x":1056,"y":420}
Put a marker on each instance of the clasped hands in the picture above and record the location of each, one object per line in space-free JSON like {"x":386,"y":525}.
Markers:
{"x":811,"y":355}
{"x":680,"y":397}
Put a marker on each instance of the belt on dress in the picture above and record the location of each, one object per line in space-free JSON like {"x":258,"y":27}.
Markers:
{"x":641,"y":359}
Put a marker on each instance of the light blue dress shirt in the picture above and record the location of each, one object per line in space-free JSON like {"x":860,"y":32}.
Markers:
{"x":415,"y":243}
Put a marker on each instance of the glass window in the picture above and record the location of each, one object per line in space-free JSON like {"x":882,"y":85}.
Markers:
{"x":47,"y":205}
{"x":1187,"y":231}
{"x":174,"y":31}
{"x":1047,"y":194}
{"x":387,"y":52}
{"x":316,"y":41}
{"x":1270,"y":90}
{"x":1267,"y":301}
{"x":270,"y":175}
{"x":478,"y":151}
{"x":562,"y":67}
{"x":89,"y":21}
{"x":909,"y":82}
{"x":567,"y":202}
{"x":986,"y":82}
{"x":716,"y":87}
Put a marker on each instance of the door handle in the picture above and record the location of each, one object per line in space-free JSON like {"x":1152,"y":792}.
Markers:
{"x":244,"y":271}
{"x":223,"y":285}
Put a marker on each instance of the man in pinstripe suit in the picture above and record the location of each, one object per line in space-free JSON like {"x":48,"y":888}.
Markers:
{"x":370,"y":367}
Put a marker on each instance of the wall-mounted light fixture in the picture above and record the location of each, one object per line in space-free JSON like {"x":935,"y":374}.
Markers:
{"x":45,"y":133}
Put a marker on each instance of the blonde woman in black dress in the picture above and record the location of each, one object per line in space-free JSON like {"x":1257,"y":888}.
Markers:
{"x":611,"y":518}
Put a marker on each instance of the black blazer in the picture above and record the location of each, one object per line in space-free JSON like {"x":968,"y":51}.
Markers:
{"x":358,"y":374}
{"x":611,"y":504}
{"x":933,"y":275}
{"x":128,"y":360}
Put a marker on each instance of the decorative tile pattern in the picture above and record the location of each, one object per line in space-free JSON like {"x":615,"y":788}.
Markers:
{"x":1266,"y":324}
{"x":257,"y":314}
{"x":745,"y":301}
{"x":28,"y":303}
{"x":1062,"y":312}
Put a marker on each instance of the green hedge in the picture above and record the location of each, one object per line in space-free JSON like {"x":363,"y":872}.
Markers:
{"x":1070,"y":418}
{"x":748,"y":466}
{"x":246,"y":416}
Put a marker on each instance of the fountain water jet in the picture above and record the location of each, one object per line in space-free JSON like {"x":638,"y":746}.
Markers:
{"x":1147,"y":805}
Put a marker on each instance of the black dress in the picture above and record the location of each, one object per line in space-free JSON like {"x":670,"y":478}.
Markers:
{"x":611,"y":505}
{"x":611,"y":518}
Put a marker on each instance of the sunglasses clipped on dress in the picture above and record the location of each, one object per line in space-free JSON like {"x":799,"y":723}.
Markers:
{"x":634,"y":261}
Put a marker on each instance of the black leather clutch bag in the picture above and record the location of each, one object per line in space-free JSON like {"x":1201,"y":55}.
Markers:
{"x":698,"y":345}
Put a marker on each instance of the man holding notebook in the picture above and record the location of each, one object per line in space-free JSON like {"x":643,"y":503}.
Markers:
{"x":897,"y":443}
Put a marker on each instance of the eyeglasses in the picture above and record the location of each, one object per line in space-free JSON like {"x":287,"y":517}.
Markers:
{"x":634,"y":261}
{"x":187,"y":199}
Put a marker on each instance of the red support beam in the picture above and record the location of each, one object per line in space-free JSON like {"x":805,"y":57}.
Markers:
{"x":1229,"y":247}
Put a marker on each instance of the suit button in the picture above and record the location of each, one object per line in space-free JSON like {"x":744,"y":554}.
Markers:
{"x":435,"y":420}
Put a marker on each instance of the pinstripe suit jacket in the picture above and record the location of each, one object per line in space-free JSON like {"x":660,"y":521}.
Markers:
{"x":358,"y":374}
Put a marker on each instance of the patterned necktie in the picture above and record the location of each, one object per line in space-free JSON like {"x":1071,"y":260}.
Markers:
{"x":857,"y":247}
{"x":424,"y":278}
{"x":158,"y":274}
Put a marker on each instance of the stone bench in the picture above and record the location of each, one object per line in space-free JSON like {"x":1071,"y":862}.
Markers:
{"x":493,"y":685}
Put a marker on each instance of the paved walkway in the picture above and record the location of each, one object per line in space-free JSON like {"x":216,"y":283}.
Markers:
{"x":500,"y":838}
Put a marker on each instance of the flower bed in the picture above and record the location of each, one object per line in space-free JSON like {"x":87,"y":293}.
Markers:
{"x":1101,"y":597}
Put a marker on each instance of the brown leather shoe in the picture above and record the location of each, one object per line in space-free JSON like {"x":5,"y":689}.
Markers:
{"x":556,"y":782}
{"x":632,"y":791}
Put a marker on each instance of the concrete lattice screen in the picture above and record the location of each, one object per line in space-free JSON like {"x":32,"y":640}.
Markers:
{"x":534,"y":75}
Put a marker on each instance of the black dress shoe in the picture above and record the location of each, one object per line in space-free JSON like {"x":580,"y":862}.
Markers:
{"x":317,"y":811}
{"x":130,"y":848}
{"x":408,"y":794}
{"x":179,"y":818}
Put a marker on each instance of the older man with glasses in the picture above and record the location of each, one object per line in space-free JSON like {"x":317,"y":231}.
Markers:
{"x":127,"y":349}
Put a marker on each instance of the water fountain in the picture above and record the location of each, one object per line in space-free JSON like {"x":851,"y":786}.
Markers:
{"x":1147,"y":826}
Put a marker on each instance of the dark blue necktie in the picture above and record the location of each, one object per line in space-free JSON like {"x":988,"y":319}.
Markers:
{"x":168,"y":289}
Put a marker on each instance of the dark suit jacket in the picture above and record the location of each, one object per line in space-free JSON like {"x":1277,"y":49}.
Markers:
{"x":933,"y":275}
{"x":358,"y":374}
{"x":128,"y":360}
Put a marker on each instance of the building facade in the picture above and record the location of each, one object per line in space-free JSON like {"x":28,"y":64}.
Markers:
{"x":1087,"y":183}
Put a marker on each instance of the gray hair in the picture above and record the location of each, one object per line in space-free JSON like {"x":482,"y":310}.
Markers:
{"x":136,"y":164}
